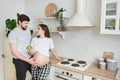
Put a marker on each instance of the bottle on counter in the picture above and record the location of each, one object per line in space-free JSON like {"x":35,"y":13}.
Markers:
{"x":102,"y":65}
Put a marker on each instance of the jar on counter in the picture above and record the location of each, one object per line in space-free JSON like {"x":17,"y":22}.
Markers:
{"x":102,"y":65}
{"x":111,"y":64}
{"x":100,"y":59}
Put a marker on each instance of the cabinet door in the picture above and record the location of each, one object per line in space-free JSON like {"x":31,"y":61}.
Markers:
{"x":8,"y":65}
{"x":51,"y":75}
{"x":110,"y":17}
{"x":90,"y":78}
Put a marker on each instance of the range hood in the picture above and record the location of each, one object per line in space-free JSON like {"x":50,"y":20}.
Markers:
{"x":80,"y":19}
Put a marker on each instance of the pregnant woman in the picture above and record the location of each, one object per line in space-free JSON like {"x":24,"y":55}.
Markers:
{"x":41,"y":45}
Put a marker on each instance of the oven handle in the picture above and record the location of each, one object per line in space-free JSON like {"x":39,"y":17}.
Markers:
{"x":60,"y":77}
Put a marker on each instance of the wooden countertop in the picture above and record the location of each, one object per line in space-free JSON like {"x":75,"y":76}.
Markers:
{"x":92,"y":71}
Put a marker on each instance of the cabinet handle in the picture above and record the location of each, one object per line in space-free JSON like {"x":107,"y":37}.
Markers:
{"x":94,"y":78}
{"x":60,"y":77}
{"x":3,"y":56}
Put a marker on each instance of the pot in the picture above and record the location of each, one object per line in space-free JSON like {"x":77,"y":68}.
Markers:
{"x":61,"y":28}
{"x":111,"y":64}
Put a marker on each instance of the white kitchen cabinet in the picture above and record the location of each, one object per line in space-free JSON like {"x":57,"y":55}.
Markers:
{"x":110,"y":17}
{"x":8,"y":64}
{"x":51,"y":75}
{"x":90,"y":78}
{"x":64,"y":74}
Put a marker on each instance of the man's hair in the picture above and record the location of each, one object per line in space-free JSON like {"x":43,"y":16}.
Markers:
{"x":22,"y":18}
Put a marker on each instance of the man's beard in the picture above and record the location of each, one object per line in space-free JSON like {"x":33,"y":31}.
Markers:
{"x":23,"y":28}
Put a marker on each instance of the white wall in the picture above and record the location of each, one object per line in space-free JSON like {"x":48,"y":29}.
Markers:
{"x":8,"y":8}
{"x":85,"y":43}
{"x":36,"y":10}
{"x":39,"y":7}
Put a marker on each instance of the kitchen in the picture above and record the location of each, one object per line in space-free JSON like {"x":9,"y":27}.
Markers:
{"x":85,"y":43}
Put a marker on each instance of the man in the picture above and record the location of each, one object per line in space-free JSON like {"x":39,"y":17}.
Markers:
{"x":19,"y":38}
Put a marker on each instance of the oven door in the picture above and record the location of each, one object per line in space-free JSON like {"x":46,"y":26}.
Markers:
{"x":59,"y":76}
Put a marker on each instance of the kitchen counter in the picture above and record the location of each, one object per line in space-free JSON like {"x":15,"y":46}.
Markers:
{"x":92,"y":71}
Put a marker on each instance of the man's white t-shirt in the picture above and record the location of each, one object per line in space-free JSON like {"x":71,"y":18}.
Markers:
{"x":22,"y":39}
{"x":42,"y":45}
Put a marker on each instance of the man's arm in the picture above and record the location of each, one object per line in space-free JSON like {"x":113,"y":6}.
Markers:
{"x":19,"y":56}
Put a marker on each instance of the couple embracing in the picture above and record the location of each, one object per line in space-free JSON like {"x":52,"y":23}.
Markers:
{"x":36,"y":60}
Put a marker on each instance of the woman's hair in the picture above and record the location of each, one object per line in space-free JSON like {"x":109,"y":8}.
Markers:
{"x":22,"y":18}
{"x":46,"y":29}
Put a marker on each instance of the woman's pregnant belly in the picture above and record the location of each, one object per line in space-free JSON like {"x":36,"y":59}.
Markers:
{"x":41,"y":59}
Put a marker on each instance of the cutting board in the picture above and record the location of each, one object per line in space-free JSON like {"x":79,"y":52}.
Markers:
{"x":108,"y":55}
{"x":51,"y":9}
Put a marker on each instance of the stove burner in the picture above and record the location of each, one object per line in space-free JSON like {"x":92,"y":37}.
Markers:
{"x":65,"y":62}
{"x":75,"y":65}
{"x":81,"y":62}
{"x":70,"y":59}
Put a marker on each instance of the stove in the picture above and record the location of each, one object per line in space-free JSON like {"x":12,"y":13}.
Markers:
{"x":76,"y":64}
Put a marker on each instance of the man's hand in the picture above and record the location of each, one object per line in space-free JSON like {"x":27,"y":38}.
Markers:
{"x":31,"y":52}
{"x":32,"y":61}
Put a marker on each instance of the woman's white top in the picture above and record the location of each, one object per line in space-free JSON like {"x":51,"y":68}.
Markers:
{"x":42,"y":45}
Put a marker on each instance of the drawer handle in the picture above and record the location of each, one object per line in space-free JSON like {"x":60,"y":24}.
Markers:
{"x":94,"y":78}
{"x":3,"y":56}
{"x":60,"y":77}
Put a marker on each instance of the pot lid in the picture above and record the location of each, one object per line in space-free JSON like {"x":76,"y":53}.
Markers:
{"x":111,"y":60}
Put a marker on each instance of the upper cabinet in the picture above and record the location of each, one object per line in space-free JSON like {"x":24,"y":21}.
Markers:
{"x":110,"y":17}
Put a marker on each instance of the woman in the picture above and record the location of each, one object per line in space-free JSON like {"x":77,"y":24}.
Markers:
{"x":42,"y":44}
